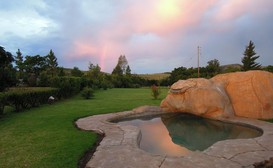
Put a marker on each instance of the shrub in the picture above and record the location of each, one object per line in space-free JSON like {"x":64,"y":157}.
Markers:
{"x":87,"y":93}
{"x":155,"y":91}
{"x":23,"y":98}
{"x":44,"y":79}
{"x":105,"y":84}
{"x":68,"y":86}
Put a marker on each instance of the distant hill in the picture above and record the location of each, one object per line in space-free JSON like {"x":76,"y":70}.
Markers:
{"x":230,"y":67}
{"x":160,"y":76}
{"x":155,"y":76}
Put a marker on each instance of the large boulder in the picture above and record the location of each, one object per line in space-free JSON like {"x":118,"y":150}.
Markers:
{"x":245,"y":94}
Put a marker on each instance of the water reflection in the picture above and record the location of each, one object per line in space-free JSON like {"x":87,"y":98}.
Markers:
{"x":156,"y":139}
{"x":197,"y":133}
{"x":177,"y":134}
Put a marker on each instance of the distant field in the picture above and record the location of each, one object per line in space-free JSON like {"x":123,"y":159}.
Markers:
{"x":156,"y":76}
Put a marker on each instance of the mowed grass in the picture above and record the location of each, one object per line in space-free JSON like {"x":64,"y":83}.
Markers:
{"x":47,"y":137}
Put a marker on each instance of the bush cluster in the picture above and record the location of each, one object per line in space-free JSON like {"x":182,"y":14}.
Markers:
{"x":24,"y":98}
{"x":87,"y":93}
{"x":68,"y":86}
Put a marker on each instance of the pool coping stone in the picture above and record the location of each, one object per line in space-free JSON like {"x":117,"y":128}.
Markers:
{"x":120,"y":145}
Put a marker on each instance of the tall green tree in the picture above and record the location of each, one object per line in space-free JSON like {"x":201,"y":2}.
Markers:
{"x":128,"y":71}
{"x":179,"y":73}
{"x":117,"y":71}
{"x":7,"y":71}
{"x":249,"y":59}
{"x":35,"y":64}
{"x":213,"y":67}
{"x":121,"y":66}
{"x":76,"y":72}
{"x":94,"y":70}
{"x":6,"y":57}
{"x":52,"y":63}
{"x":121,"y":74}
{"x":94,"y":76}
{"x":19,"y":63}
{"x":123,"y":63}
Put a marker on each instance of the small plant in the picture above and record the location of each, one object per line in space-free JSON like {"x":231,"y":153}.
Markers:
{"x":155,"y":91}
{"x":87,"y":93}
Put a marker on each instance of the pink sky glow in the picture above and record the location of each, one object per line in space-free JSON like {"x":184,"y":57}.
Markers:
{"x":154,"y":35}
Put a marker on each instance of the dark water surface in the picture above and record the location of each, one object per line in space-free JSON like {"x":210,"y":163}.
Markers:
{"x":177,"y":134}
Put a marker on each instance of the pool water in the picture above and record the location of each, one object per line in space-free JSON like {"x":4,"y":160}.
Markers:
{"x":177,"y":134}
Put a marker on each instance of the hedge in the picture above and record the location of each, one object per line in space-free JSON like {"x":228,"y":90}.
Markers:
{"x":24,"y":98}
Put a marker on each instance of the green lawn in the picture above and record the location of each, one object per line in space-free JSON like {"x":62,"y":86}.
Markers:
{"x":46,"y":136}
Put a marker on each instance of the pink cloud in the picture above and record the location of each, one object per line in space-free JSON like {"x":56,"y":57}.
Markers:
{"x":103,"y":54}
{"x":234,"y":9}
{"x":152,"y":31}
{"x":164,"y":33}
{"x":81,"y":49}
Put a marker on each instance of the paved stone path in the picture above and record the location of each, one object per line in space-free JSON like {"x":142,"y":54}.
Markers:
{"x":119,"y":148}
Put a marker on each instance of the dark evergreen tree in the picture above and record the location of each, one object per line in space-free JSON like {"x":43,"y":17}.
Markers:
{"x":128,"y":71}
{"x":249,"y":59}
{"x":19,"y":63}
{"x":52,"y":62}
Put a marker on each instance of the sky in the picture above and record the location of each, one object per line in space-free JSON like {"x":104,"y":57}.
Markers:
{"x":155,"y":35}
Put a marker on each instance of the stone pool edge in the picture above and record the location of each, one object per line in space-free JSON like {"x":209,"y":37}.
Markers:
{"x":119,"y":147}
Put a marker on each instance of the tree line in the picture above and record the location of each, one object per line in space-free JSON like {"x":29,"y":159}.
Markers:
{"x":44,"y":71}
{"x":249,"y":62}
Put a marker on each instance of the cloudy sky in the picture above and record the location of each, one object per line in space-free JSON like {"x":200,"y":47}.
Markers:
{"x":154,"y":35}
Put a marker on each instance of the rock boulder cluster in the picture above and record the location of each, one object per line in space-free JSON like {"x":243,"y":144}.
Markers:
{"x":244,"y":94}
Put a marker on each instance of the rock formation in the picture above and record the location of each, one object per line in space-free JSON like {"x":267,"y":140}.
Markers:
{"x":245,"y":94}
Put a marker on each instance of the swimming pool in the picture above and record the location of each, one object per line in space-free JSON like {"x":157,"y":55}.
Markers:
{"x":178,"y":134}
